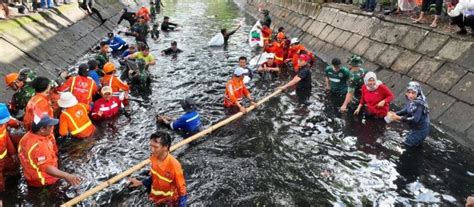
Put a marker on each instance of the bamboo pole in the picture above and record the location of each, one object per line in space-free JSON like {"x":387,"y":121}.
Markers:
{"x":143,"y":163}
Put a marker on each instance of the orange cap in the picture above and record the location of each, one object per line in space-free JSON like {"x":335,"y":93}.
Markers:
{"x":280,"y":35}
{"x":108,"y":67}
{"x":10,"y":78}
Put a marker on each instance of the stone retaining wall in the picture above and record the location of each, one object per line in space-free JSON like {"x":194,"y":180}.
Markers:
{"x":397,"y":51}
{"x":55,"y":39}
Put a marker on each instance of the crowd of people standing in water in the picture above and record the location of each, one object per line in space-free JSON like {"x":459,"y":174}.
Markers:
{"x":97,"y":93}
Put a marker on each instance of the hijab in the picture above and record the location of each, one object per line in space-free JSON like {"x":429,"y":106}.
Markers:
{"x":420,"y":96}
{"x":367,"y":77}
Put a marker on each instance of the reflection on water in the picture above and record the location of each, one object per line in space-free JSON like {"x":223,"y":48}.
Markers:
{"x":279,"y":154}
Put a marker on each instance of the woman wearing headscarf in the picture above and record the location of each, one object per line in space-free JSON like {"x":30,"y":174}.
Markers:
{"x":376,"y":96}
{"x":415,"y":114}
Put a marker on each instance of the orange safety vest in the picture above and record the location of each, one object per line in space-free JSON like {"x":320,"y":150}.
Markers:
{"x":38,"y":105}
{"x":168,"y":182}
{"x":279,"y":52}
{"x":6,"y":144}
{"x":235,"y":90}
{"x":144,"y":12}
{"x":116,"y":84}
{"x":76,"y":121}
{"x":36,"y":153}
{"x":81,"y":87}
{"x":294,"y":53}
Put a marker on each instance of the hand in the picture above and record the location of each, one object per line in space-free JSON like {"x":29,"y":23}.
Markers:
{"x":73,"y":179}
{"x":381,"y":104}
{"x":357,"y":111}
{"x":135,"y":183}
{"x":343,"y":108}
{"x":470,"y":201}
{"x":63,"y":74}
{"x":253,"y":103}
{"x":100,"y":113}
{"x":243,"y":109}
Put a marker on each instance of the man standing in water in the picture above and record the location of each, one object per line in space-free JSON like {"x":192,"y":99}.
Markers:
{"x":302,"y":80}
{"x":228,"y":34}
{"x":356,"y":81}
{"x":166,"y":183}
{"x":235,"y":90}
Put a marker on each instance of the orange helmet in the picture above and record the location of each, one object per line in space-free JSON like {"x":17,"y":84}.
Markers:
{"x":280,"y":35}
{"x":108,"y":67}
{"x":10,"y":78}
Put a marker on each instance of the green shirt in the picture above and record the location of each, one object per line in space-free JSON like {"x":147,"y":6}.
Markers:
{"x":356,"y":80}
{"x":147,"y":59}
{"x":338,"y":80}
{"x":102,"y":59}
{"x":21,"y":97}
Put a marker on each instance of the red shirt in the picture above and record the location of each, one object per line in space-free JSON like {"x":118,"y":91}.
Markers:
{"x":109,"y":108}
{"x":372,"y":98}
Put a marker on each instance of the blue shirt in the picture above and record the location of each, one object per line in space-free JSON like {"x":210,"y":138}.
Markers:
{"x":116,"y":43}
{"x":415,"y":114}
{"x":189,"y":122}
{"x":126,"y":53}
{"x":93,"y":74}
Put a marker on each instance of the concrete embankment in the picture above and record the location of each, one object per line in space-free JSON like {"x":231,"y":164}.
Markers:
{"x":51,"y":40}
{"x":397,"y":51}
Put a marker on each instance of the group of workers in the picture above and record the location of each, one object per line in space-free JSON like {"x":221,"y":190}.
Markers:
{"x":96,"y":93}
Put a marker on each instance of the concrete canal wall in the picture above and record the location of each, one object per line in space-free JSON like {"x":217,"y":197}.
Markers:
{"x":397,"y":51}
{"x":51,"y":40}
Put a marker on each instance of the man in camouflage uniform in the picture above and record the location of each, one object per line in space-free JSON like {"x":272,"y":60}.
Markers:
{"x":102,"y":56}
{"x":22,"y":88}
{"x":356,"y":80}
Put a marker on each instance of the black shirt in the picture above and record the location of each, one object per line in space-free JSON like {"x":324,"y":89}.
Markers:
{"x":129,"y":16}
{"x":227,"y":36}
{"x":305,"y":83}
{"x":165,"y":26}
{"x":170,"y":51}
{"x":267,"y":21}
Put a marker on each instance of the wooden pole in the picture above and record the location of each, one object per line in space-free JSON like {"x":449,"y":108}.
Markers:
{"x":143,"y":163}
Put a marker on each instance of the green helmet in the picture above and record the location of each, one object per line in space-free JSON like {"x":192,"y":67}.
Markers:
{"x":355,"y":61}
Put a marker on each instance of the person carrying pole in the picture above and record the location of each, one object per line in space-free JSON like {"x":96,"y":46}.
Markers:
{"x":235,"y":90}
{"x":166,"y":184}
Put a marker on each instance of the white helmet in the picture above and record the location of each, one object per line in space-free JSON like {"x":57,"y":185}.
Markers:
{"x":294,"y":41}
{"x":67,"y":100}
{"x":270,"y":55}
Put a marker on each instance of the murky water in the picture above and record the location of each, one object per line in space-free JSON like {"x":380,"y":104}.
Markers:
{"x":278,"y":155}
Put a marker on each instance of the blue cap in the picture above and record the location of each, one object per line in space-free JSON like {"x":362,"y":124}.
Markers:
{"x":44,"y":121}
{"x":4,"y":113}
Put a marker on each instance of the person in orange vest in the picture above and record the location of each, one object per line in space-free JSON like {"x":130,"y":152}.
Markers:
{"x":266,"y":34}
{"x":8,"y":158}
{"x":108,"y":106}
{"x":144,"y":13}
{"x":277,"y":47}
{"x":38,"y":157}
{"x":81,"y":86}
{"x":74,"y":119}
{"x":296,"y":49}
{"x":166,"y":184}
{"x":39,"y":104}
{"x":118,"y":87}
{"x":235,"y":90}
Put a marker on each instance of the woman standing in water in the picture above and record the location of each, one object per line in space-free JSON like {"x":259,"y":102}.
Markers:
{"x":415,"y":113}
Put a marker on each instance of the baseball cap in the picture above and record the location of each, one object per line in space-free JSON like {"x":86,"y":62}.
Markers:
{"x":239,"y":71}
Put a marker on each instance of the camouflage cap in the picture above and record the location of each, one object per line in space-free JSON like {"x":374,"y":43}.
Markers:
{"x":355,"y":60}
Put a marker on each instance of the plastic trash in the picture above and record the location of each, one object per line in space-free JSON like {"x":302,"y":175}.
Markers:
{"x":217,"y":40}
{"x":259,"y":59}
{"x":255,"y":35}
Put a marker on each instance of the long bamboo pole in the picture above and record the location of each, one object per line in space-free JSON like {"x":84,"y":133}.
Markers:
{"x":143,"y":163}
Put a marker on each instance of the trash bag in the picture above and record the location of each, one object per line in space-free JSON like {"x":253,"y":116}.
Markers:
{"x":259,"y":59}
{"x":217,"y":40}
{"x":255,"y":35}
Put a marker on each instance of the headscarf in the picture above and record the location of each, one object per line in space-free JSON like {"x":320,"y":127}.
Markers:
{"x":420,"y":97}
{"x":367,"y":77}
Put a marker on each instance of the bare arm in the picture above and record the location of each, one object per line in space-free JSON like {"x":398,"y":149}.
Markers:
{"x":70,"y":178}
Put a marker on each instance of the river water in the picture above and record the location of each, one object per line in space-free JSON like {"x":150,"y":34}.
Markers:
{"x":278,"y":155}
